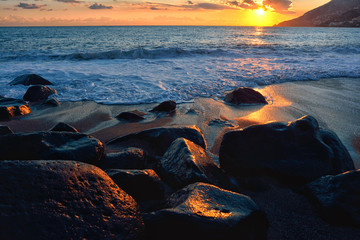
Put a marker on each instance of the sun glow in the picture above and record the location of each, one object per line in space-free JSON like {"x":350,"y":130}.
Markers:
{"x":260,"y":11}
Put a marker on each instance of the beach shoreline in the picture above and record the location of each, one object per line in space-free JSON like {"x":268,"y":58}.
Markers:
{"x":333,"y":102}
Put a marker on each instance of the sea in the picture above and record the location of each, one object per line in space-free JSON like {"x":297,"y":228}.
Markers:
{"x":147,"y":64}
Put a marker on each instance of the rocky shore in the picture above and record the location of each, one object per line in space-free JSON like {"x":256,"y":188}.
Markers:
{"x":256,"y":165}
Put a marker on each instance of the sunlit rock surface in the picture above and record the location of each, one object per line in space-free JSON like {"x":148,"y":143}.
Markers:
{"x":166,"y":106}
{"x":64,"y":200}
{"x":51,"y":145}
{"x":338,"y":197}
{"x":157,"y":140}
{"x":295,"y":153}
{"x":38,"y":93}
{"x":10,"y":107}
{"x":245,"y":95}
{"x":185,"y":163}
{"x":204,"y":211}
{"x":129,"y":158}
{"x":30,"y":79}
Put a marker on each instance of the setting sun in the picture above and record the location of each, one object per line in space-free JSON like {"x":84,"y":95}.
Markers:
{"x":260,"y":11}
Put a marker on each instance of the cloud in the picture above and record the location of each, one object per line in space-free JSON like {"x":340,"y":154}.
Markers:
{"x":69,"y":1}
{"x":30,"y":6}
{"x":99,"y":6}
{"x":280,"y":6}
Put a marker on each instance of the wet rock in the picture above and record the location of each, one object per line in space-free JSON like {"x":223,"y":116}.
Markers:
{"x":142,"y":185}
{"x":296,"y":153}
{"x":52,"y":102}
{"x":10,"y":107}
{"x":5,"y":130}
{"x":157,"y":140}
{"x":204,"y":211}
{"x":64,"y":200}
{"x":51,"y":145}
{"x":63,"y":127}
{"x":337,"y":197}
{"x":185,"y":163}
{"x":245,"y":95}
{"x":133,"y":116}
{"x":130,"y":158}
{"x":38,"y":93}
{"x":167,"y":106}
{"x":30,"y":79}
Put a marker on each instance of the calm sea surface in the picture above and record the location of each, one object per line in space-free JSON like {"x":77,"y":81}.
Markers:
{"x":152,"y":64}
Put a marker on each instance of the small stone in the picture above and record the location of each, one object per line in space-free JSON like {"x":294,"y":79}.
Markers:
{"x":30,"y":79}
{"x":63,"y":127}
{"x":245,"y":95}
{"x":133,"y":116}
{"x":167,"y":106}
{"x":52,"y":102}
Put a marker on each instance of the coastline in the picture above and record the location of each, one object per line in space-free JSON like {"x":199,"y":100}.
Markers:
{"x":333,"y":102}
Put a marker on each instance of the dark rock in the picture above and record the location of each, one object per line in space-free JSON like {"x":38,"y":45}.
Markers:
{"x":52,"y":102}
{"x":167,"y":106}
{"x":51,"y":145}
{"x":1,"y":96}
{"x":63,"y":127}
{"x":38,"y":93}
{"x":245,"y":95}
{"x":5,"y":130}
{"x":204,"y":211}
{"x":130,"y":158}
{"x":133,"y":116}
{"x":185,"y":163}
{"x":142,"y":185}
{"x":64,"y":200}
{"x":338,"y":197}
{"x":10,"y":107}
{"x":30,"y":79}
{"x":296,"y":153}
{"x":157,"y":140}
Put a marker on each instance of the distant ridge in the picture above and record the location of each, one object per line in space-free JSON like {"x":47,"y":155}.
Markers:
{"x":336,"y":13}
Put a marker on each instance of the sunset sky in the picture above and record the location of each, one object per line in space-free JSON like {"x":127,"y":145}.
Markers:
{"x":156,"y":12}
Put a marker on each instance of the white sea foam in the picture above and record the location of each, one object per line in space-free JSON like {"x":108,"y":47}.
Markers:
{"x":158,"y":63}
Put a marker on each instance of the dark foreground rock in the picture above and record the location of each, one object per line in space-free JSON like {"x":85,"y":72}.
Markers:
{"x":64,"y":200}
{"x":337,"y":197}
{"x":203,"y":211}
{"x":296,"y":153}
{"x":157,"y":140}
{"x":142,"y":185}
{"x":185,"y":163}
{"x":30,"y":79}
{"x":133,"y":116}
{"x":5,"y":130}
{"x":63,"y":127}
{"x":245,"y":95}
{"x":130,"y":158}
{"x":38,"y":93}
{"x":51,"y":145}
{"x":167,"y":106}
{"x":10,"y":107}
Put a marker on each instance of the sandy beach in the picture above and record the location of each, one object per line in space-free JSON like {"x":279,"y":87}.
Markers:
{"x":333,"y":102}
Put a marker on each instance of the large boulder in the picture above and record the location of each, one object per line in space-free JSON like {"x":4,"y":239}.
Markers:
{"x":64,"y":200}
{"x":129,"y":158}
{"x":337,"y":197}
{"x":167,"y":106}
{"x":185,"y":163}
{"x":157,"y":140}
{"x":244,"y":95}
{"x":10,"y":107}
{"x":51,"y":145}
{"x":38,"y":93}
{"x":296,"y":153}
{"x":142,"y":185}
{"x":204,"y":211}
{"x":30,"y":79}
